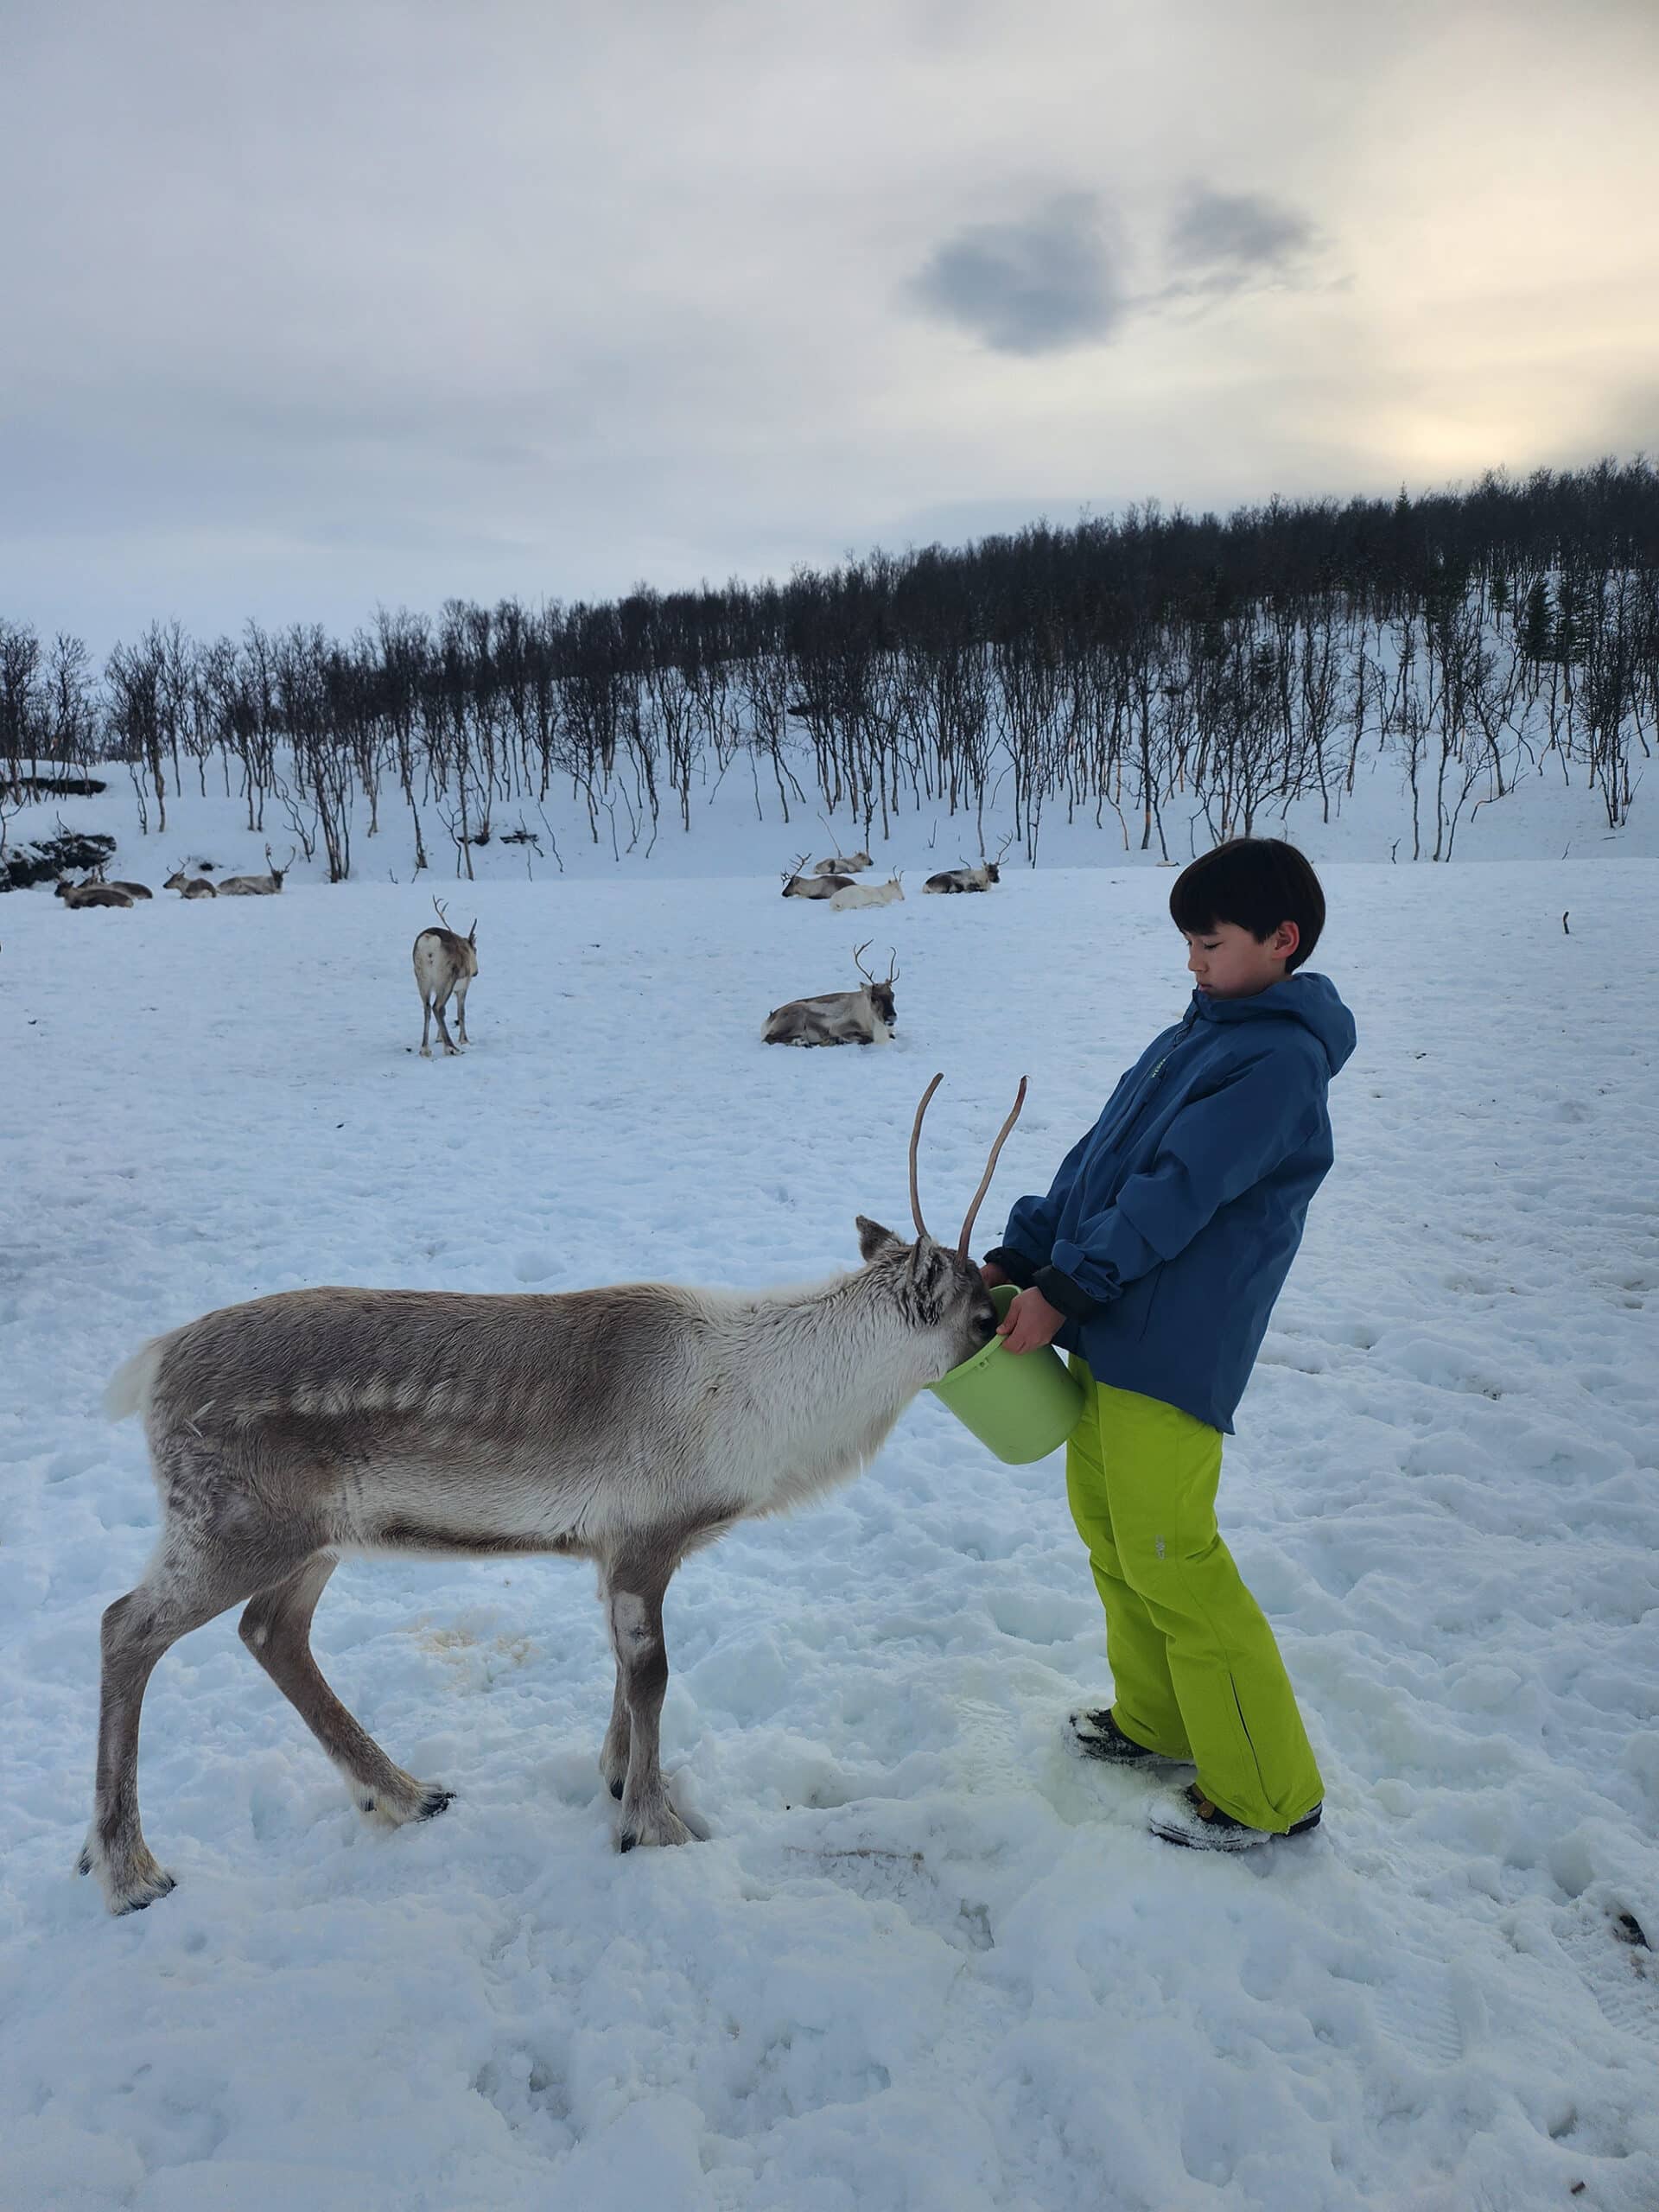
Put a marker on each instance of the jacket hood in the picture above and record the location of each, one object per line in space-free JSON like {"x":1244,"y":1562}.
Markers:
{"x":1311,"y":999}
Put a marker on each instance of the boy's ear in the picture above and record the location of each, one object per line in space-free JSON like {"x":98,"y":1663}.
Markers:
{"x":872,"y":1238}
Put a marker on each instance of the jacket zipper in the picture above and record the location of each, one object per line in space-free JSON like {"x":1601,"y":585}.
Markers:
{"x":1156,"y":1075}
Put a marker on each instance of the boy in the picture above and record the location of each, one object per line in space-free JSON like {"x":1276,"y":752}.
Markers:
{"x":1155,"y":1260}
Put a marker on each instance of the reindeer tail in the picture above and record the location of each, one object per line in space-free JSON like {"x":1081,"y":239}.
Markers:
{"x":129,"y":1389}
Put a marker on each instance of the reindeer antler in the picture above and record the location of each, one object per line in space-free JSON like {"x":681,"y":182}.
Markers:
{"x":892,"y":965}
{"x":984,"y":1180}
{"x":859,"y":951}
{"x":915,"y":1139}
{"x":438,"y":909}
{"x":990,"y":1170}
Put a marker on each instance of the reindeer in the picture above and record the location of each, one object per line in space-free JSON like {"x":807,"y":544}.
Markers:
{"x":865,"y":1016}
{"x":969,"y":878}
{"x":444,"y":962}
{"x":189,"y":887}
{"x":869,"y":894}
{"x":259,"y":886}
{"x":92,"y":895}
{"x":840,"y":864}
{"x":796,"y":885}
{"x":626,"y":1425}
{"x":132,"y":890}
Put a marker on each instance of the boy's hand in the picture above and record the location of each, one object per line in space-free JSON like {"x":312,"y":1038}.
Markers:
{"x":990,"y":1274}
{"x":1031,"y":1323}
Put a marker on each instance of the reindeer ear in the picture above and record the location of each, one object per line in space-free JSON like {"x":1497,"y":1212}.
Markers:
{"x":872,"y":1238}
{"x":929,"y":1270}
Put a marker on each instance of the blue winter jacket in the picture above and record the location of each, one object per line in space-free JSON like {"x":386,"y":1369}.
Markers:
{"x":1169,"y":1229}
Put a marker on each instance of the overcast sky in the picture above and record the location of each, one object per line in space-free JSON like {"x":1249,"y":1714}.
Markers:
{"x":313,"y":306}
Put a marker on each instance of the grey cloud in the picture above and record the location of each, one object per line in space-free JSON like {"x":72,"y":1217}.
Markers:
{"x":1221,"y":241}
{"x":1628,"y":423}
{"x":1035,"y":286}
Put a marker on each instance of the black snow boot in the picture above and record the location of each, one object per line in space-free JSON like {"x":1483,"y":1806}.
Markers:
{"x":1097,"y":1736}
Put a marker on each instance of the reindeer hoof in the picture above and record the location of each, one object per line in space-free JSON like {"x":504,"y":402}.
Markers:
{"x":663,"y":1827}
{"x":141,"y":1884}
{"x":426,"y":1051}
{"x":393,"y":1807}
{"x":160,"y":1885}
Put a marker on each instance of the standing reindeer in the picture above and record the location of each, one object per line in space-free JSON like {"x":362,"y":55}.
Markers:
{"x":444,"y":962}
{"x":970,"y":878}
{"x":626,"y":1425}
{"x":189,"y":887}
{"x":796,"y":885}
{"x":259,"y":886}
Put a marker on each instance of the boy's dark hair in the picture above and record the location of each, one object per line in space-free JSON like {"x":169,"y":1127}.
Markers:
{"x":1255,"y":883}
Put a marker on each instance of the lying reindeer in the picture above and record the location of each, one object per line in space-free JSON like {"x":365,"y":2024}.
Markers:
{"x":93,"y":894}
{"x":132,"y":890}
{"x":796,"y":885}
{"x":969,"y":878}
{"x":869,"y":894}
{"x":444,"y":962}
{"x":259,"y":886}
{"x":841,"y":864}
{"x":865,"y":1016}
{"x":189,"y":887}
{"x":626,"y":1425}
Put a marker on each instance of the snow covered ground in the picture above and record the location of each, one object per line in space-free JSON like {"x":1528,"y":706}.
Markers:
{"x":927,"y":1963}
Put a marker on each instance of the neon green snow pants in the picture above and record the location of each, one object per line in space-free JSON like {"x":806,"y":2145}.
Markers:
{"x":1195,"y":1668}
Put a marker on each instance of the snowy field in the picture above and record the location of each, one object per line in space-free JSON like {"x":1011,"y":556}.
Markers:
{"x":927,"y":1963}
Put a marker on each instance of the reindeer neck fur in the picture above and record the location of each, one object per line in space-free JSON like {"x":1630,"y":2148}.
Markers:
{"x":880,"y":1032}
{"x":826,"y":1370}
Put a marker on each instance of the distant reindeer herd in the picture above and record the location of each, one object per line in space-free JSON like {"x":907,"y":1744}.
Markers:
{"x":446,"y":963}
{"x":94,"y":891}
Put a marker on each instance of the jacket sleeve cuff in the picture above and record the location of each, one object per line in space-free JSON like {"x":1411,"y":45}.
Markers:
{"x":1065,"y":1295}
{"x":1019,"y":1269}
{"x":1110,"y":1263}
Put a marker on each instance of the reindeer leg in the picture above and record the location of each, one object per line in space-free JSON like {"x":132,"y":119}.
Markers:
{"x":619,"y":1737}
{"x":277,"y":1629}
{"x":449,"y":1042}
{"x":636,"y":1585}
{"x":191,"y":1583}
{"x":461,"y":1010}
{"x":426,"y":1026}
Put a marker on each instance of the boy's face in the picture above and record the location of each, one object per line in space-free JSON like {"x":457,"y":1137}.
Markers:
{"x":1228,"y":962}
